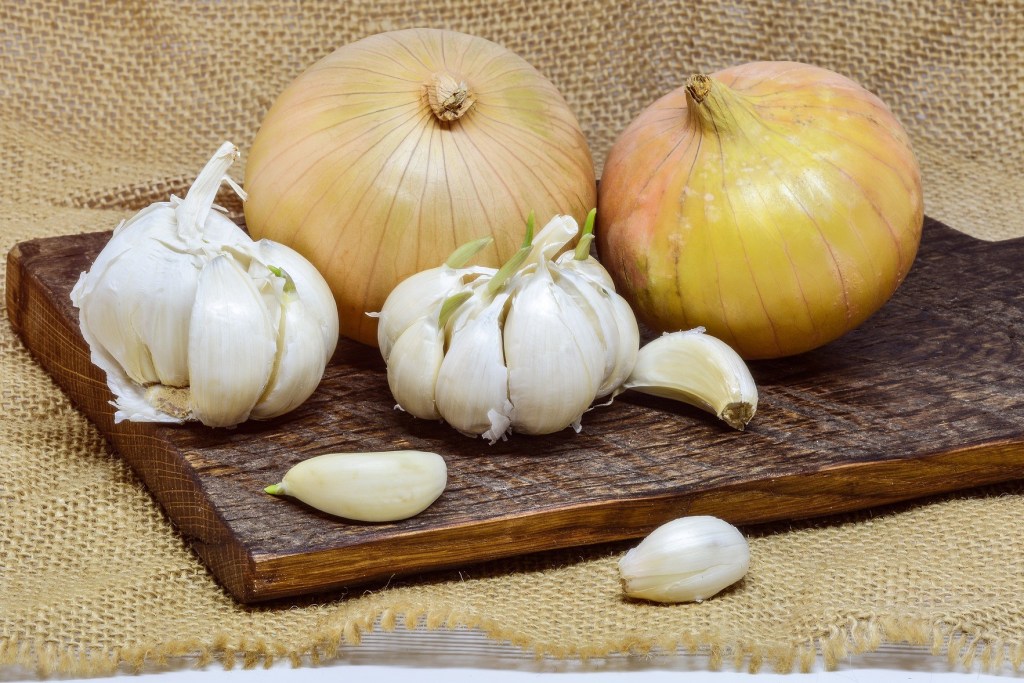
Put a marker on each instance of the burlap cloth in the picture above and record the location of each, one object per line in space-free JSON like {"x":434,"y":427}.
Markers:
{"x":105,"y":107}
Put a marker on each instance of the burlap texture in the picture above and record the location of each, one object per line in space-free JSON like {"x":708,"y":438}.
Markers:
{"x":105,"y":107}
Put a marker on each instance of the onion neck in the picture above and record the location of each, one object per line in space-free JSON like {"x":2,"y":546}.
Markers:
{"x":449,"y":98}
{"x":712,"y":105}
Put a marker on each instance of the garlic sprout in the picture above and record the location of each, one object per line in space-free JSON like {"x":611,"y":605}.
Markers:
{"x":191,"y":319}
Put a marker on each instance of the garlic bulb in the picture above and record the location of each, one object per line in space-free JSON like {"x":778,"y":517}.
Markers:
{"x":525,"y":348}
{"x":688,"y":559}
{"x":368,"y":487}
{"x":191,"y":319}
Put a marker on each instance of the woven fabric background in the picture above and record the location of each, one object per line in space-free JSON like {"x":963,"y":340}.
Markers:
{"x":108,"y":106}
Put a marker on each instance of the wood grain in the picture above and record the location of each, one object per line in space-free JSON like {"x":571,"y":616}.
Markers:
{"x":926,"y":397}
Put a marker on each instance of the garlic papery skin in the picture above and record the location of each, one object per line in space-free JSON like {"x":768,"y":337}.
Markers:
{"x":190,"y":319}
{"x":384,"y":486}
{"x":689,"y":559}
{"x":695,"y":368}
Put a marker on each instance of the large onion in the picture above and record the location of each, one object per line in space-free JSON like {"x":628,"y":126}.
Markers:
{"x":775,"y":203}
{"x":383,"y":157}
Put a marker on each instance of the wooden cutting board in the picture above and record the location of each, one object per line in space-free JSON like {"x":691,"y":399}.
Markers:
{"x":926,"y":397}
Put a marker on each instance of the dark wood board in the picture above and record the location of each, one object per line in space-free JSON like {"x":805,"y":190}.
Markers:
{"x":926,"y":397}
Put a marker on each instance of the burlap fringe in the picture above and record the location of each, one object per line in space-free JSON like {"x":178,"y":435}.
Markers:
{"x":962,"y":649}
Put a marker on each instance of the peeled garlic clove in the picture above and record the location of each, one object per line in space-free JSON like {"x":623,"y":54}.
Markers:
{"x":415,"y":362}
{"x":472,"y":389}
{"x":688,"y":559}
{"x":367,"y":487}
{"x":231,"y":347}
{"x":698,"y":369}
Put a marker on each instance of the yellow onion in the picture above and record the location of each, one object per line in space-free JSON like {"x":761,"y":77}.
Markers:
{"x":776,"y":204}
{"x":383,"y":157}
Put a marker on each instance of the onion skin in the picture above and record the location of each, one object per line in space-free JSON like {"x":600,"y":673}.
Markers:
{"x":353,"y":169}
{"x":777,"y":204}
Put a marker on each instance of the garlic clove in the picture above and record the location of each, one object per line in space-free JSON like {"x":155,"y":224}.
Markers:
{"x":587,"y":281}
{"x":590,"y":268}
{"x":688,"y":559}
{"x":697,"y":369}
{"x":299,"y":364}
{"x":367,"y":487}
{"x":550,"y":390}
{"x":231,"y":347}
{"x":472,"y":384}
{"x":311,"y":287}
{"x":612,"y":319}
{"x":422,"y":290}
{"x":628,"y":348}
{"x":415,"y":362}
{"x":409,"y":299}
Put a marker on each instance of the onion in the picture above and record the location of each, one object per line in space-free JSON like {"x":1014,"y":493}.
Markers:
{"x":777,"y":204}
{"x":383,"y":157}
